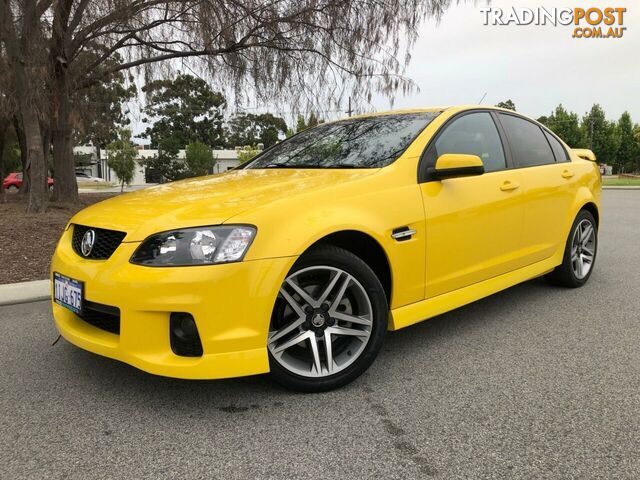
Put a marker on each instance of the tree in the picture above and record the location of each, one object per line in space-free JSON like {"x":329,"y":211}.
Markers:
{"x":185,"y":108}
{"x":246,"y":153}
{"x":280,"y":51}
{"x":601,"y":136}
{"x":628,"y":154}
{"x":251,"y":129}
{"x":199,"y":159}
{"x":567,"y":126}
{"x":121,"y":158}
{"x":301,"y":124}
{"x":509,"y":105}
{"x":98,"y":113}
{"x":165,"y":166}
{"x":23,"y":40}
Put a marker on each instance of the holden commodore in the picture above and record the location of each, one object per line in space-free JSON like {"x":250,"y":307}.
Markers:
{"x":298,"y":262}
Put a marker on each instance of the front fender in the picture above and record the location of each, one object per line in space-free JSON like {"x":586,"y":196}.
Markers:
{"x":287,"y":228}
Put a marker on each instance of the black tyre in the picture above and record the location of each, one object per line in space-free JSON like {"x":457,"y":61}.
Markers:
{"x":579,"y":253}
{"x":328,"y":323}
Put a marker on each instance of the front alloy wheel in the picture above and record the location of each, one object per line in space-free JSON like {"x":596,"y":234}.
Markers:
{"x":328,"y":322}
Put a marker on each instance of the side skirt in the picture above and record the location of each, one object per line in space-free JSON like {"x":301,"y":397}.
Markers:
{"x":417,"y":312}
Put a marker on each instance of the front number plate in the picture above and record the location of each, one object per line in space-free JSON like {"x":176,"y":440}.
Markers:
{"x":68,"y":292}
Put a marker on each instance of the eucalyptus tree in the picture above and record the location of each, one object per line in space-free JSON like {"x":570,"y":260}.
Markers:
{"x":296,"y":52}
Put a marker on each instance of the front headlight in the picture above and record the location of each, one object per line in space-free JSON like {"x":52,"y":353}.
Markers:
{"x":195,"y":246}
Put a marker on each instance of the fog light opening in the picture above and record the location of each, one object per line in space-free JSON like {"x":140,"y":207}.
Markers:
{"x":184,"y":336}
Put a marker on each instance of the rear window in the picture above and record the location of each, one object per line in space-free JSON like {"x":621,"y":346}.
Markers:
{"x":371,"y":142}
{"x":528,"y":144}
{"x":558,"y":150}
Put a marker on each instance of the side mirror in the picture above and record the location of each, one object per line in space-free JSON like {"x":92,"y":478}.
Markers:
{"x":452,"y":165}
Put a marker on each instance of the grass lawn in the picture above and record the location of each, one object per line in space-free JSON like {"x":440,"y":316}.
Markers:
{"x":621,"y":182}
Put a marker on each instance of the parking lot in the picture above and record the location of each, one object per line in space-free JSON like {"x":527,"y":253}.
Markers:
{"x":534,"y":382}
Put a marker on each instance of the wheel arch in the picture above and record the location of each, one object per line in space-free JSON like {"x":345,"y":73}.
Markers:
{"x":366,"y":248}
{"x":592,"y":208}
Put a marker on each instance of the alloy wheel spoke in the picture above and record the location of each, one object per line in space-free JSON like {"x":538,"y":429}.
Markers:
{"x":580,"y":266}
{"x":329,"y":287}
{"x":292,"y":302}
{"x":351,"y":332}
{"x":341,"y":292}
{"x":315,"y":352}
{"x":293,"y":341}
{"x":587,"y":251}
{"x":303,"y":294}
{"x":278,"y":334}
{"x":329,"y":350}
{"x":350,"y":318}
{"x":586,"y":234}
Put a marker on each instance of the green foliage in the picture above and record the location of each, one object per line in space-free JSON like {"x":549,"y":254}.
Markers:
{"x":121,"y":158}
{"x":247,"y":153}
{"x":166,"y":166}
{"x":567,"y":126}
{"x":601,"y":136}
{"x":99,"y":110}
{"x":185,"y":108}
{"x":11,"y":158}
{"x":82,"y":159}
{"x":199,"y":159}
{"x":509,"y":105}
{"x":302,"y":124}
{"x":613,"y":143}
{"x":628,"y":154}
{"x":251,"y":129}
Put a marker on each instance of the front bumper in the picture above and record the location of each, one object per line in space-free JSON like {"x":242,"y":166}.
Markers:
{"x":231,"y":304}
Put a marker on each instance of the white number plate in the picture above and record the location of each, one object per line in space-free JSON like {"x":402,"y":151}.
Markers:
{"x":68,"y":292}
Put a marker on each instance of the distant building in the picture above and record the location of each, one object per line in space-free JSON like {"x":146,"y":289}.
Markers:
{"x":225,"y":160}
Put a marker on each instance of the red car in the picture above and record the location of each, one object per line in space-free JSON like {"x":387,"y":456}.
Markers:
{"x":13,"y":182}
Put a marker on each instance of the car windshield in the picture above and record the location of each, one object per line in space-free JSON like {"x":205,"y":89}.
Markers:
{"x":371,"y":142}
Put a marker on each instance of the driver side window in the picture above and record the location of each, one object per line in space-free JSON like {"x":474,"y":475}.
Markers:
{"x":474,"y":134}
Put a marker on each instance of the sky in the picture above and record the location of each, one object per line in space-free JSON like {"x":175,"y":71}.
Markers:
{"x":538,"y":67}
{"x":459,"y":59}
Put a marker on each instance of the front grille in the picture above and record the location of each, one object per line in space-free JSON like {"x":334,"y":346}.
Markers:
{"x":104,"y":317}
{"x":105,"y":243}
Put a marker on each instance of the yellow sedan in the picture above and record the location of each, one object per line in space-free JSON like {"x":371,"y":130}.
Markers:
{"x":298,"y":262}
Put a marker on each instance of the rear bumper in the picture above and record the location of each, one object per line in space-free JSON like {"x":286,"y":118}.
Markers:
{"x":231,"y":305}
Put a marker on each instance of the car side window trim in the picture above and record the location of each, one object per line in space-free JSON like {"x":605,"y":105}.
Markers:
{"x":428,"y":159}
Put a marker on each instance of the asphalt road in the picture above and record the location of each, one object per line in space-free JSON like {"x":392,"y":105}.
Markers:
{"x":535,"y":382}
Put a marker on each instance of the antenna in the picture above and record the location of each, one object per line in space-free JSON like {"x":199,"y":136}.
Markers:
{"x":480,"y":102}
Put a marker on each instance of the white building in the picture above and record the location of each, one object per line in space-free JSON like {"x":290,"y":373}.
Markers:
{"x":225,"y":160}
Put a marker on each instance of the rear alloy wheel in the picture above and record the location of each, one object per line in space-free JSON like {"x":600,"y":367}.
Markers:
{"x":12,"y":189}
{"x":580,"y":253}
{"x":328,"y":322}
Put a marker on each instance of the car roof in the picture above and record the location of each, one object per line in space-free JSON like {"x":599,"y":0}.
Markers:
{"x":451,"y":108}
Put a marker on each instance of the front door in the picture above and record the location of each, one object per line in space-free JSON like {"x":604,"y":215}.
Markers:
{"x":473,"y":224}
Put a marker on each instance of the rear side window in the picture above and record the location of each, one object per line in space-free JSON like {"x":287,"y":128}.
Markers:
{"x":474,"y":134}
{"x":558,"y":149}
{"x":528,"y":144}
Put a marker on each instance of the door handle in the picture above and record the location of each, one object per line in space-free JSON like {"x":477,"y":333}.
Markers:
{"x":507,"y":186}
{"x":567,"y":174}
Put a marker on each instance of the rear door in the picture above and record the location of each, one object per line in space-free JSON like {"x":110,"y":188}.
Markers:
{"x":473,"y":224}
{"x":548,"y":185}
